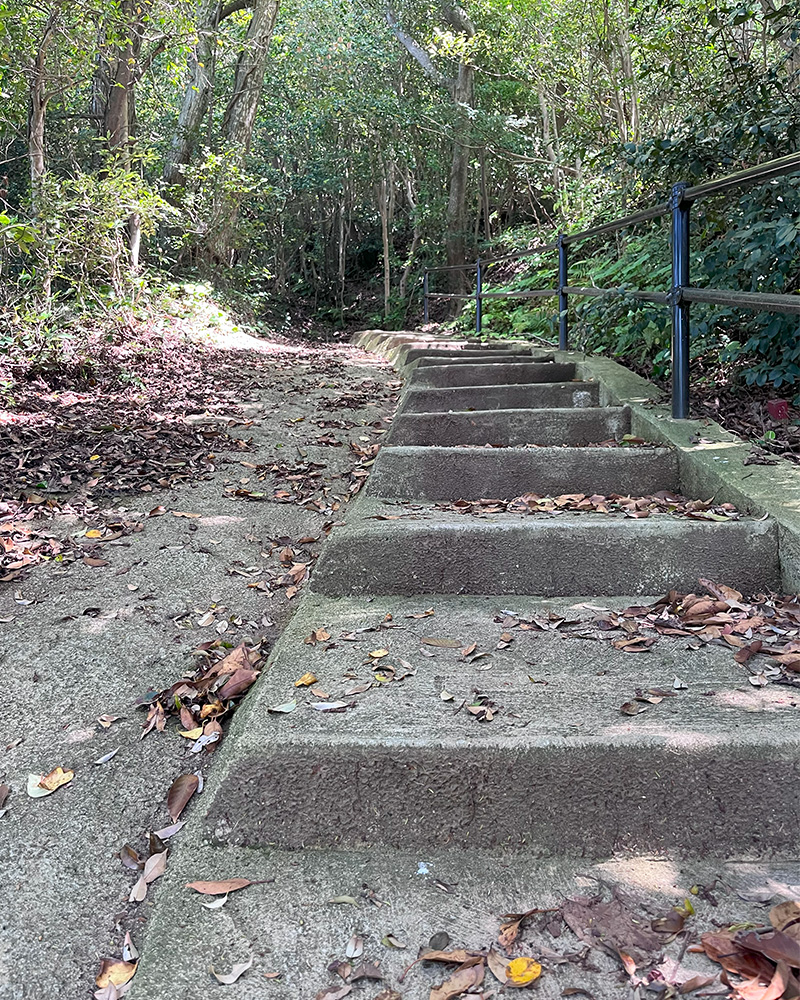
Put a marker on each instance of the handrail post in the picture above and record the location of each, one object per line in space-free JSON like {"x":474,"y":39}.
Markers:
{"x":680,"y":308}
{"x":563,"y":327}
{"x":425,"y":296}
{"x":478,"y":296}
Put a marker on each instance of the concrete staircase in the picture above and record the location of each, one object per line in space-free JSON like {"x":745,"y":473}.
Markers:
{"x":404,"y":785}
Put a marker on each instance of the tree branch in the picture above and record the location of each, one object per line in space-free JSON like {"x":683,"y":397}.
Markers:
{"x":415,"y":50}
{"x":232,"y":8}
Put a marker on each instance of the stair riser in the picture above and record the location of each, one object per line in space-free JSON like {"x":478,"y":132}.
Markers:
{"x":510,"y":428}
{"x":456,"y":473}
{"x":445,"y":376}
{"x":588,"y":801}
{"x":501,"y":397}
{"x":549,"y":557}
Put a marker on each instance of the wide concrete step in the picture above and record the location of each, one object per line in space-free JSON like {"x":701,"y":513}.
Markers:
{"x":501,"y":397}
{"x":559,"y":769}
{"x":512,"y":428}
{"x":428,"y":359}
{"x":468,"y":355}
{"x":413,"y":897}
{"x":518,"y":373}
{"x":431,"y":551}
{"x":420,"y":473}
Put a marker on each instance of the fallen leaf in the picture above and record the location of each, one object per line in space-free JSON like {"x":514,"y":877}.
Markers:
{"x":722,"y":948}
{"x":221,"y":887}
{"x":306,"y":680}
{"x":355,"y":947}
{"x":445,"y":695}
{"x":367,"y":970}
{"x":695,"y":983}
{"x":115,"y":972}
{"x":5,"y":791}
{"x":215,"y":904}
{"x":170,"y":831}
{"x":522,"y":971}
{"x":442,"y":643}
{"x":466,"y":976}
{"x":392,"y":942}
{"x":334,"y":992}
{"x":343,"y":899}
{"x":56,"y":778}
{"x":181,"y":791}
{"x":778,"y":946}
{"x":107,"y":756}
{"x":236,"y":972}
{"x":786,"y":917}
{"x":184,"y":513}
{"x":285,"y":708}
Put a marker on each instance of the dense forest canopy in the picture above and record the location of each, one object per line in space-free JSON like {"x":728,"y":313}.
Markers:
{"x":320,"y":155}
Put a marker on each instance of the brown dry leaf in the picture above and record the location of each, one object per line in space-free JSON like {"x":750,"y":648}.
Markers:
{"x":239,"y":683}
{"x":613,"y":925}
{"x":754,"y":989}
{"x":778,"y":946}
{"x":389,"y":994}
{"x":632,"y":708}
{"x":442,"y":643}
{"x":55,"y":779}
{"x":466,"y":976}
{"x":221,"y":887}
{"x":510,"y":930}
{"x":786,"y":917}
{"x":317,"y":635}
{"x":114,"y":972}
{"x":184,"y":513}
{"x":180,"y":792}
{"x":334,"y":992}
{"x":236,"y":973}
{"x":367,"y":970}
{"x":5,"y":791}
{"x":721,"y":948}
{"x":306,"y":680}
{"x":498,"y":965}
{"x":695,"y":983}
{"x":455,"y":957}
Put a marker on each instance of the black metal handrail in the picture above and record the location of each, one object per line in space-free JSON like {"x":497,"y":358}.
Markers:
{"x":681,"y":293}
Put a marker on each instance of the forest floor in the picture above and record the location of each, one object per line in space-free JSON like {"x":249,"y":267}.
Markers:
{"x":156,"y":511}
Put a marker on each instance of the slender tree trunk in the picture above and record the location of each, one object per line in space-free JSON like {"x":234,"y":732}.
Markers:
{"x":240,"y":114}
{"x":37,"y":110}
{"x":197,"y":94}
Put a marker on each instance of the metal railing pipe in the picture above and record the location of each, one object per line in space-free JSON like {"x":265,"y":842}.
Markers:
{"x":680,"y":306}
{"x":478,"y":296}
{"x":425,"y":297}
{"x":563,"y":281}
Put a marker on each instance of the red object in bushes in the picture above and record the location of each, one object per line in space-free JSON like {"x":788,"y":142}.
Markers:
{"x":778,"y":409}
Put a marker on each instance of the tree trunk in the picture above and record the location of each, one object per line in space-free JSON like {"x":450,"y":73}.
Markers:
{"x":240,"y":116}
{"x":36,"y":132}
{"x":197,"y":95}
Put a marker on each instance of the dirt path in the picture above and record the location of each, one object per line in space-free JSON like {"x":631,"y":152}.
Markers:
{"x":260,"y":445}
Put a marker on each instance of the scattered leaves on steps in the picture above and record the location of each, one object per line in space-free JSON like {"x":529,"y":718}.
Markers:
{"x":614,"y":503}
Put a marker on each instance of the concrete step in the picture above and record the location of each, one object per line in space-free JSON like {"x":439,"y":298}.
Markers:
{"x":420,"y":473}
{"x":428,"y":359}
{"x":288,"y":926}
{"x":511,"y":428}
{"x":431,"y":551}
{"x":501,"y":397}
{"x":411,"y":355}
{"x":519,"y":373}
{"x":558,"y":770}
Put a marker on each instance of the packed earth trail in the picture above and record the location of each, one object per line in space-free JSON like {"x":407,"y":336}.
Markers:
{"x":522,"y":730}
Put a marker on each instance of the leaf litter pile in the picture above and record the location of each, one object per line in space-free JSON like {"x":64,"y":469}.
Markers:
{"x":636,"y":945}
{"x":596,"y":503}
{"x":765,"y":626}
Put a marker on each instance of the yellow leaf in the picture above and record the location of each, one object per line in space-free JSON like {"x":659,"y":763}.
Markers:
{"x":55,"y":779}
{"x":191,"y":734}
{"x":521,"y":971}
{"x":94,"y":533}
{"x":305,"y":681}
{"x":376,"y":654}
{"x":93,"y":458}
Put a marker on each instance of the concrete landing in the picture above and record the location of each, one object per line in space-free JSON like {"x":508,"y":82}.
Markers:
{"x":289,"y":927}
